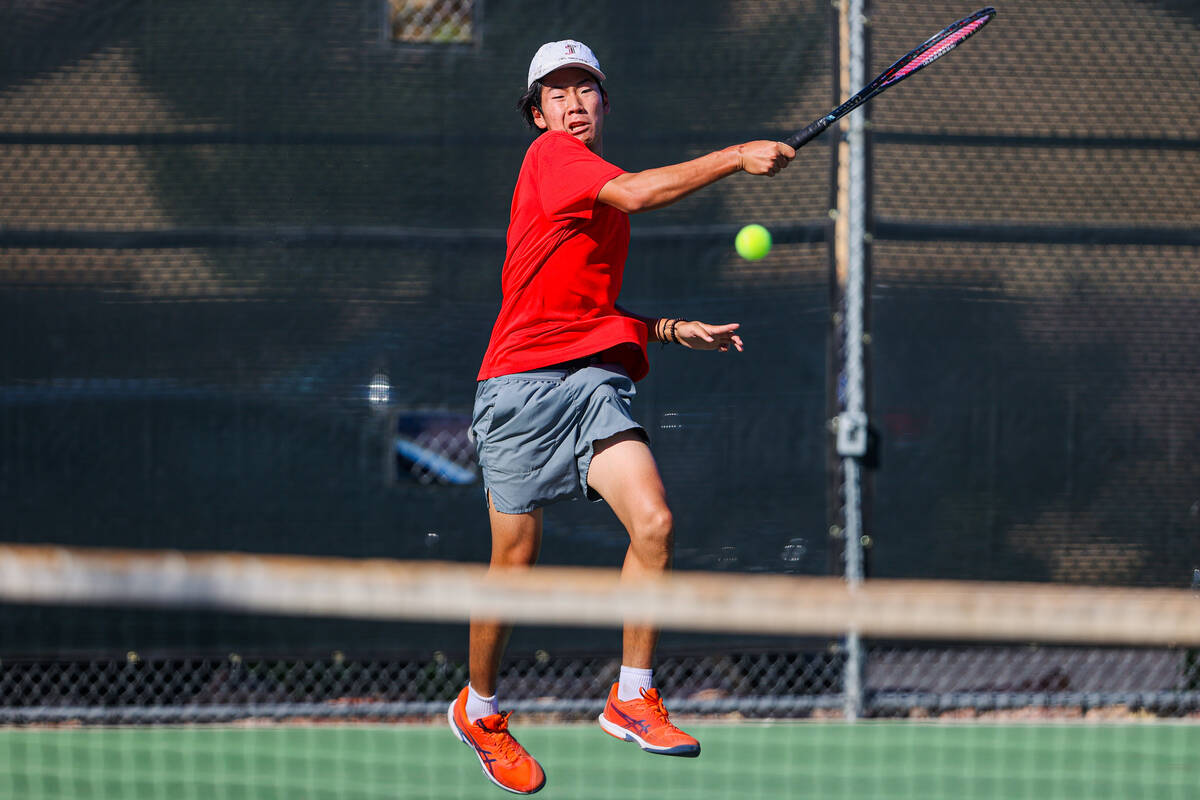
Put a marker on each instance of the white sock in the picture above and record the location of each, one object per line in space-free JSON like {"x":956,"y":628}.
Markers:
{"x":633,"y":679}
{"x":480,"y":706}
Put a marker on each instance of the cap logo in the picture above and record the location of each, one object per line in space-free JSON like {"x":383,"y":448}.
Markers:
{"x":570,"y":49}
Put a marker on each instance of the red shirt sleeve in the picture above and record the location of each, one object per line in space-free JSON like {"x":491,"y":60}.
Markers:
{"x":570,"y":176}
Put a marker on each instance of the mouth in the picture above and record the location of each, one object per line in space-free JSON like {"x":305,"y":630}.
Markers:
{"x":578,"y":126}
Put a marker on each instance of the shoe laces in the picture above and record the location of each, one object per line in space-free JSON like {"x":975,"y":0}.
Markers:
{"x":505,"y":743}
{"x":655,"y":702}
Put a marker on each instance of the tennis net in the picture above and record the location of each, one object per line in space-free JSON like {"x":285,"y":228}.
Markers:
{"x":154,"y":674}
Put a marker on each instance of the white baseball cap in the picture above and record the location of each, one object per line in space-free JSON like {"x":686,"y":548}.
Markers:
{"x":567,"y":53}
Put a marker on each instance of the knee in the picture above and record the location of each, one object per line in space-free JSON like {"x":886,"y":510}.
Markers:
{"x":653,"y":536}
{"x":519,"y":553}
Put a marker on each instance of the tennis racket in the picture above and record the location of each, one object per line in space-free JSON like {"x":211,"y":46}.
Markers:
{"x":930,"y":50}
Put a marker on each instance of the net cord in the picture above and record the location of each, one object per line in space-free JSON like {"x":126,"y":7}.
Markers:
{"x":585,"y":596}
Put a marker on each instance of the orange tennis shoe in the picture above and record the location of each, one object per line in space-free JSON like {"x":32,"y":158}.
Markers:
{"x":504,"y":761}
{"x":645,"y":721}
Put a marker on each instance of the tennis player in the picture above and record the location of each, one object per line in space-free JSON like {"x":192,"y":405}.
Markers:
{"x":552,"y":414}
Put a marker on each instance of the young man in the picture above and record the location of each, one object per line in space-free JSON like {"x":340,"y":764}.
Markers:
{"x":552,"y":411}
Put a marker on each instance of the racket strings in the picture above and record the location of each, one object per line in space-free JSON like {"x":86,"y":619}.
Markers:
{"x":946,"y":46}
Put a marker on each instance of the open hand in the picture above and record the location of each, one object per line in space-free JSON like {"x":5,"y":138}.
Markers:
{"x":702,"y":336}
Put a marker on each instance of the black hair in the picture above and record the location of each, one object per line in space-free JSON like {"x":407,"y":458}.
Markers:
{"x":532,"y":98}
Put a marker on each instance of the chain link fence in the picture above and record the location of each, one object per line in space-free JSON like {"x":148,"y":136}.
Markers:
{"x":784,"y":682}
{"x":435,"y":21}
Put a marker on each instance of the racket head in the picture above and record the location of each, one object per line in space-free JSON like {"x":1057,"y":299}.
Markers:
{"x":922,"y":56}
{"x":934,"y":48}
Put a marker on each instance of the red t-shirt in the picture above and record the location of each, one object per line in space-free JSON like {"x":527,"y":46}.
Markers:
{"x":563,"y":269}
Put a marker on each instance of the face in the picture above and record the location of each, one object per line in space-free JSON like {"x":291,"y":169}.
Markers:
{"x":571,"y":102}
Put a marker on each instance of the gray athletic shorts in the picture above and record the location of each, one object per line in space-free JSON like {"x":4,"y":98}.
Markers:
{"x":534,"y":431}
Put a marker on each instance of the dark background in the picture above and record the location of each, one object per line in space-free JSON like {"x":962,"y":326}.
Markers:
{"x":219,"y":220}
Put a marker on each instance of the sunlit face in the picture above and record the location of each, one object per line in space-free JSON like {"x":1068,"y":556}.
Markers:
{"x":572,"y":102}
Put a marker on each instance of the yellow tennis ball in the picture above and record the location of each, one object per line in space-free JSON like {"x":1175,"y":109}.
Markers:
{"x":753,"y":242}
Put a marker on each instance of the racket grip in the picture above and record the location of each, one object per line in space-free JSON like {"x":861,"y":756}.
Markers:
{"x":805,"y":135}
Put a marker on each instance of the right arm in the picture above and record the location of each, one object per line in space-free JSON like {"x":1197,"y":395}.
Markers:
{"x":633,"y":192}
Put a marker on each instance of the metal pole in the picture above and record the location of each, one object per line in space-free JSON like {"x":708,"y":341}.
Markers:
{"x":852,"y":423}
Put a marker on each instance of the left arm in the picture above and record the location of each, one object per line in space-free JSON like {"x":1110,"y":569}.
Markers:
{"x":693,"y":335}
{"x":654,"y":325}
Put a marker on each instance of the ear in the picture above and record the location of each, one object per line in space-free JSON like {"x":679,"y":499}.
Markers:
{"x":538,"y":119}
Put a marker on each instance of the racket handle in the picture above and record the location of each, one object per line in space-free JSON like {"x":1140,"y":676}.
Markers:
{"x":805,"y":135}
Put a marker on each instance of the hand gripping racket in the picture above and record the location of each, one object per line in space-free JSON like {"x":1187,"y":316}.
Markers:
{"x":930,"y":50}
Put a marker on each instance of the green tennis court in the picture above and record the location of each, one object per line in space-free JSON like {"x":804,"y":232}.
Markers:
{"x":826,"y":760}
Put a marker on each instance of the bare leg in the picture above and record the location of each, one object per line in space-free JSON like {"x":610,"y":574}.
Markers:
{"x":624,"y":473}
{"x":516,"y":541}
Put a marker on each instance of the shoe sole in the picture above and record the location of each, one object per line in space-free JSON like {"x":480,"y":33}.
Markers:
{"x":462,"y":737}
{"x":624,"y":734}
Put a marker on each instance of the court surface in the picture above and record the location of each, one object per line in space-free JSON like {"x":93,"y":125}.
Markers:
{"x":959,"y":760}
